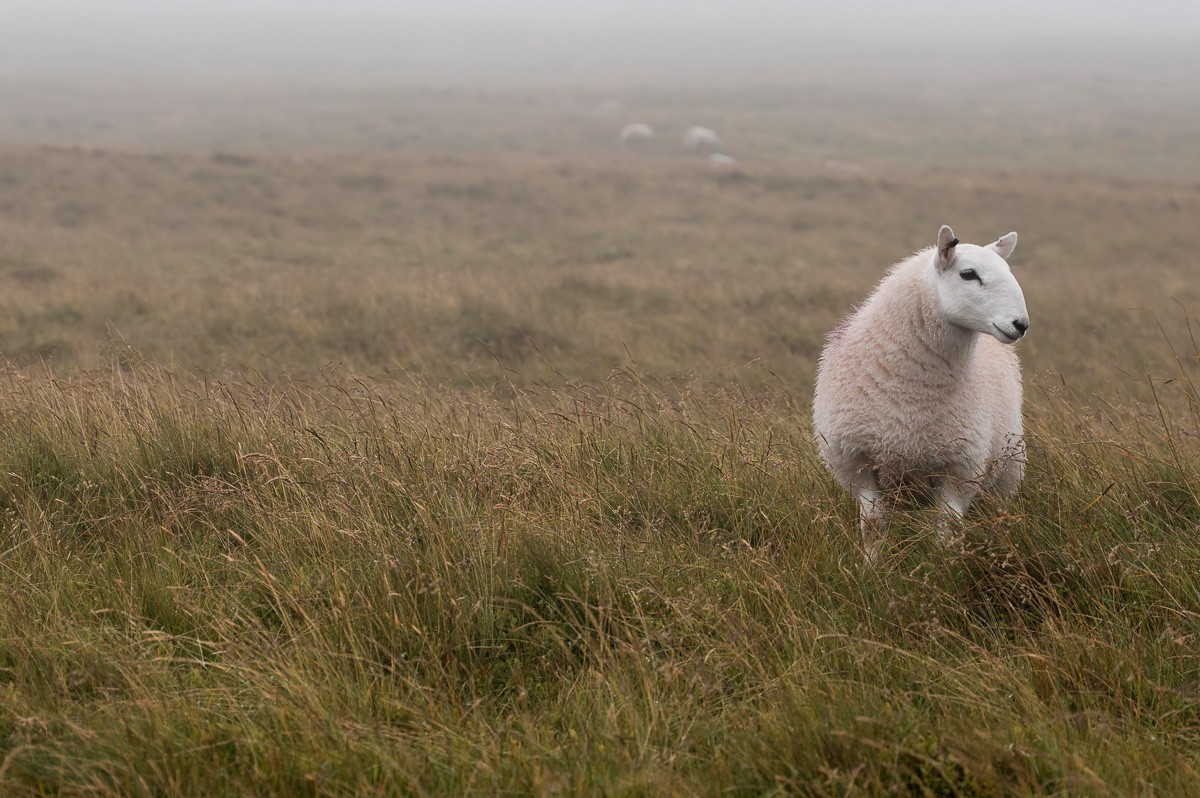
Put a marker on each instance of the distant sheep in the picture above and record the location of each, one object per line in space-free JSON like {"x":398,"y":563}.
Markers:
{"x":843,"y":166}
{"x":701,"y":139}
{"x":919,"y":388}
{"x":720,"y":162}
{"x":635,"y":132}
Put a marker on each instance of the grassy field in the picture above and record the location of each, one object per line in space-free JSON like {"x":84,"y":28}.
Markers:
{"x":461,"y":268}
{"x":358,"y":457}
{"x":230,"y":588}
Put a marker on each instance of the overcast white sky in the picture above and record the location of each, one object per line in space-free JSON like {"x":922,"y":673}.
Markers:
{"x":225,"y":38}
{"x":866,"y":17}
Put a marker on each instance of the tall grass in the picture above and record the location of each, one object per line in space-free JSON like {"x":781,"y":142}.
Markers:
{"x":354,"y":586}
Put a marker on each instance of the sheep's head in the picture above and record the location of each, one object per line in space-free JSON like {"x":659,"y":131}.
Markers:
{"x":977,"y":290}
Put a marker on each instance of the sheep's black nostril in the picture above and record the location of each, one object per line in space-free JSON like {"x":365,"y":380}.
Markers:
{"x":1021,"y":325}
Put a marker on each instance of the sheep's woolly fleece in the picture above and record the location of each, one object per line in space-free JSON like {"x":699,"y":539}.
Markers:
{"x":905,"y":396}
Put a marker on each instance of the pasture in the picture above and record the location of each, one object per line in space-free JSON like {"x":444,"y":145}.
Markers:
{"x":427,"y":441}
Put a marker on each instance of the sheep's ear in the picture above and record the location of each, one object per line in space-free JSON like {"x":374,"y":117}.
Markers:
{"x":946,"y":244}
{"x":1005,"y":246}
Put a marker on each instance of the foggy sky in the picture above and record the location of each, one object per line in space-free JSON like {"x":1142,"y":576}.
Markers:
{"x":870,"y":18}
{"x":387,"y":39}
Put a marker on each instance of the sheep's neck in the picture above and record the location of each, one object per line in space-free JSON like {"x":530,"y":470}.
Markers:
{"x":952,"y":345}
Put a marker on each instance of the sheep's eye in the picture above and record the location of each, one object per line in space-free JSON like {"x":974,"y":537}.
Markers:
{"x":969,"y":274}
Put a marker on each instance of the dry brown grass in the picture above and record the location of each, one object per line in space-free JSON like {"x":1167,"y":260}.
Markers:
{"x":454,"y":266}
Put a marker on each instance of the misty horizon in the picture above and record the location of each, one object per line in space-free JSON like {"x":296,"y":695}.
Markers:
{"x":369,"y":41}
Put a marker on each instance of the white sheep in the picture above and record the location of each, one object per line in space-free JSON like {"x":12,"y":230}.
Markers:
{"x":918,"y":389}
{"x":720,"y":162}
{"x":701,"y":139}
{"x":844,"y":166}
{"x":635,"y":132}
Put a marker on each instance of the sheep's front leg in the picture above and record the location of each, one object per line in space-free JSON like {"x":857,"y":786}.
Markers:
{"x":873,"y":512}
{"x":954,"y":496}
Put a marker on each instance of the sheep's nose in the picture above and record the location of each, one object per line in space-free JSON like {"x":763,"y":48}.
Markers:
{"x":1021,"y":325}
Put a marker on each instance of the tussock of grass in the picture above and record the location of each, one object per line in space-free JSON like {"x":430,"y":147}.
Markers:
{"x":222,"y":588}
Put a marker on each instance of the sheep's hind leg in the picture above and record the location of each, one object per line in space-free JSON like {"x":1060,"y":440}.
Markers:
{"x":954,"y":496}
{"x":873,"y":511}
